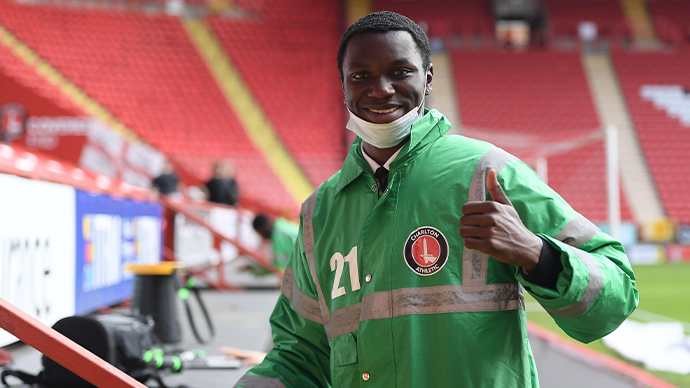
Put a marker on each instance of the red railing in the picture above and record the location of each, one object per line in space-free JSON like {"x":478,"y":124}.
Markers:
{"x":62,"y":350}
{"x":17,"y":160}
{"x":174,"y":207}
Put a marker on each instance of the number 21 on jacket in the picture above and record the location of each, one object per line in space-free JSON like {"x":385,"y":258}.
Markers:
{"x":337,"y":265}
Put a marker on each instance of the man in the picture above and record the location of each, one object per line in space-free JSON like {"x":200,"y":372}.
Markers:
{"x":222,"y":187}
{"x":411,"y":260}
{"x":167,"y":183}
{"x":282,"y":235}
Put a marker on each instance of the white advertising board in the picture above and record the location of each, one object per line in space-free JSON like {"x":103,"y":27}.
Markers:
{"x":37,"y":249}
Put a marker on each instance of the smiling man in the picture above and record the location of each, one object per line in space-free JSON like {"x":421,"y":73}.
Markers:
{"x":411,"y":261}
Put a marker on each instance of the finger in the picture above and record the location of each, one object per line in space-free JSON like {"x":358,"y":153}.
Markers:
{"x":483,"y":219}
{"x":478,"y":207}
{"x":476,"y":243}
{"x":475,"y":232}
{"x":495,"y":189}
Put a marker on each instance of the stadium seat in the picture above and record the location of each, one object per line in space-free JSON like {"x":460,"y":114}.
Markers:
{"x":535,"y":98}
{"x":663,"y":135}
{"x":565,"y":15}
{"x":445,"y":18}
{"x":672,"y":20}
{"x":145,"y":71}
{"x":288,"y":61}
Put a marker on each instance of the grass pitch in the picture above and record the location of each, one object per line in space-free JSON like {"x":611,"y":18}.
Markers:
{"x":664,"y":294}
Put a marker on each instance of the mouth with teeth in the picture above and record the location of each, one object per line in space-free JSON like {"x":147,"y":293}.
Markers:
{"x":385,"y":111}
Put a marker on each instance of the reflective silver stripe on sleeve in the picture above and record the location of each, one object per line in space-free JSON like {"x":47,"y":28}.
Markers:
{"x":254,"y":381}
{"x":424,"y":300}
{"x":309,"y":242}
{"x":577,"y":232}
{"x":594,"y":285}
{"x":475,"y":263}
{"x":300,"y":302}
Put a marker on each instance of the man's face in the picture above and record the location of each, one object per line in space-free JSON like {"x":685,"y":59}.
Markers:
{"x":383,"y":75}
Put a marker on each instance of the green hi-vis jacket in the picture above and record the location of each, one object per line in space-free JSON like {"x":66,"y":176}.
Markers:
{"x":282,"y":240}
{"x":379,"y":292}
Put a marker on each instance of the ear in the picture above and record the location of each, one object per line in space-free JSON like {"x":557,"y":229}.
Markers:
{"x":429,"y":79}
{"x":342,"y":86}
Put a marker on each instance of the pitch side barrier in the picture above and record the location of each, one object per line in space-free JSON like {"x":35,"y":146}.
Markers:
{"x":216,"y":244}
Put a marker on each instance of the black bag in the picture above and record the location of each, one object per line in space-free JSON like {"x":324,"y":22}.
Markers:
{"x":118,"y":339}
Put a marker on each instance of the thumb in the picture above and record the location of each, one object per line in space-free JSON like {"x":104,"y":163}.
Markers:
{"x":497,"y":193}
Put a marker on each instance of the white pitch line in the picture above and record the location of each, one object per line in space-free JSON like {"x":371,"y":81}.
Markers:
{"x":647,"y":316}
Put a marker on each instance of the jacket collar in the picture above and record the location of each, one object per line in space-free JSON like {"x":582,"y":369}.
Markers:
{"x":426,"y":130}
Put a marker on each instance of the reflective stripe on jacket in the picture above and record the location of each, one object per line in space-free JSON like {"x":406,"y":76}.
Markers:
{"x":379,"y":292}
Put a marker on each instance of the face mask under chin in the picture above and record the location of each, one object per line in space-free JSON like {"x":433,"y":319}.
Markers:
{"x":385,"y":135}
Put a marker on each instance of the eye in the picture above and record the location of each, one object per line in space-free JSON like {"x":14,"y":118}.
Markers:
{"x":400,"y":72}
{"x":360,"y":76}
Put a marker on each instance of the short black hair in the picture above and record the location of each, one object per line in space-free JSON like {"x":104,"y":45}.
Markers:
{"x":386,"y":21}
{"x":260,"y":221}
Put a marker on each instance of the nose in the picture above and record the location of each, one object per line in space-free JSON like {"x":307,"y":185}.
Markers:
{"x":382,"y":87}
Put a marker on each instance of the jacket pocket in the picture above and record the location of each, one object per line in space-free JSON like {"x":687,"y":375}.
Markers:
{"x":344,"y":350}
{"x":344,"y":367}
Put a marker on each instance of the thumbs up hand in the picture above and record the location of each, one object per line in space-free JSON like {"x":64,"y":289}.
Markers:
{"x":495,"y":228}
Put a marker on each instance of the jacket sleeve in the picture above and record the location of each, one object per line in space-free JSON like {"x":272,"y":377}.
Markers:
{"x":300,"y":357}
{"x":596,"y":291}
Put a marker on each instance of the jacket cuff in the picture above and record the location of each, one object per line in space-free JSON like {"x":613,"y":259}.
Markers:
{"x":545,"y":273}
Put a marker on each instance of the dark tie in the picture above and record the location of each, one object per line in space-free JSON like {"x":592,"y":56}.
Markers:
{"x":381,"y":176}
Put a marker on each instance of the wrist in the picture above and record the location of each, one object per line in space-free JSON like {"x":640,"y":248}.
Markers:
{"x":548,"y":268}
{"x":532,"y":258}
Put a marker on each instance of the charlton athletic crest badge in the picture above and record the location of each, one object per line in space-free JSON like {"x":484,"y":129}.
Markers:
{"x":426,"y":251}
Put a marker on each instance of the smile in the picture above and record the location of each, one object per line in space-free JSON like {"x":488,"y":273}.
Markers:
{"x":383,"y":111}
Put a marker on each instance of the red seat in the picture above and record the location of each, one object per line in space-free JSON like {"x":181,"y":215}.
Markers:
{"x":145,"y":71}
{"x":664,"y":140}
{"x":537,"y":97}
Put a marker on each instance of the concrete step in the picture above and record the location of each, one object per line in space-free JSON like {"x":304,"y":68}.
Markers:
{"x":443,"y":96}
{"x":638,"y":185}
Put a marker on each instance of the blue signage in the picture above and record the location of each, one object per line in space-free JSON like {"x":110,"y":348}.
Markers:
{"x":110,"y":233}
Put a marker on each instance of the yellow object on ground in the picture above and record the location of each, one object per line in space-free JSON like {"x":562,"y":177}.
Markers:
{"x":238,"y":95}
{"x":162,"y":268}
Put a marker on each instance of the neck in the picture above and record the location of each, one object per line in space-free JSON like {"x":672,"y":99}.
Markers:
{"x":381,"y":155}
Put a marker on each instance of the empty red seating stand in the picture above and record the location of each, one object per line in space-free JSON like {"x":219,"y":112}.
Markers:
{"x":671,"y":15}
{"x":16,"y":69}
{"x":146,"y":72}
{"x":665,"y":141}
{"x":564,"y":16}
{"x":541,"y":96}
{"x":445,"y":17}
{"x":286,"y":53}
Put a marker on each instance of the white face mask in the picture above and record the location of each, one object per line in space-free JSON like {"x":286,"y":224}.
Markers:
{"x":385,"y":135}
